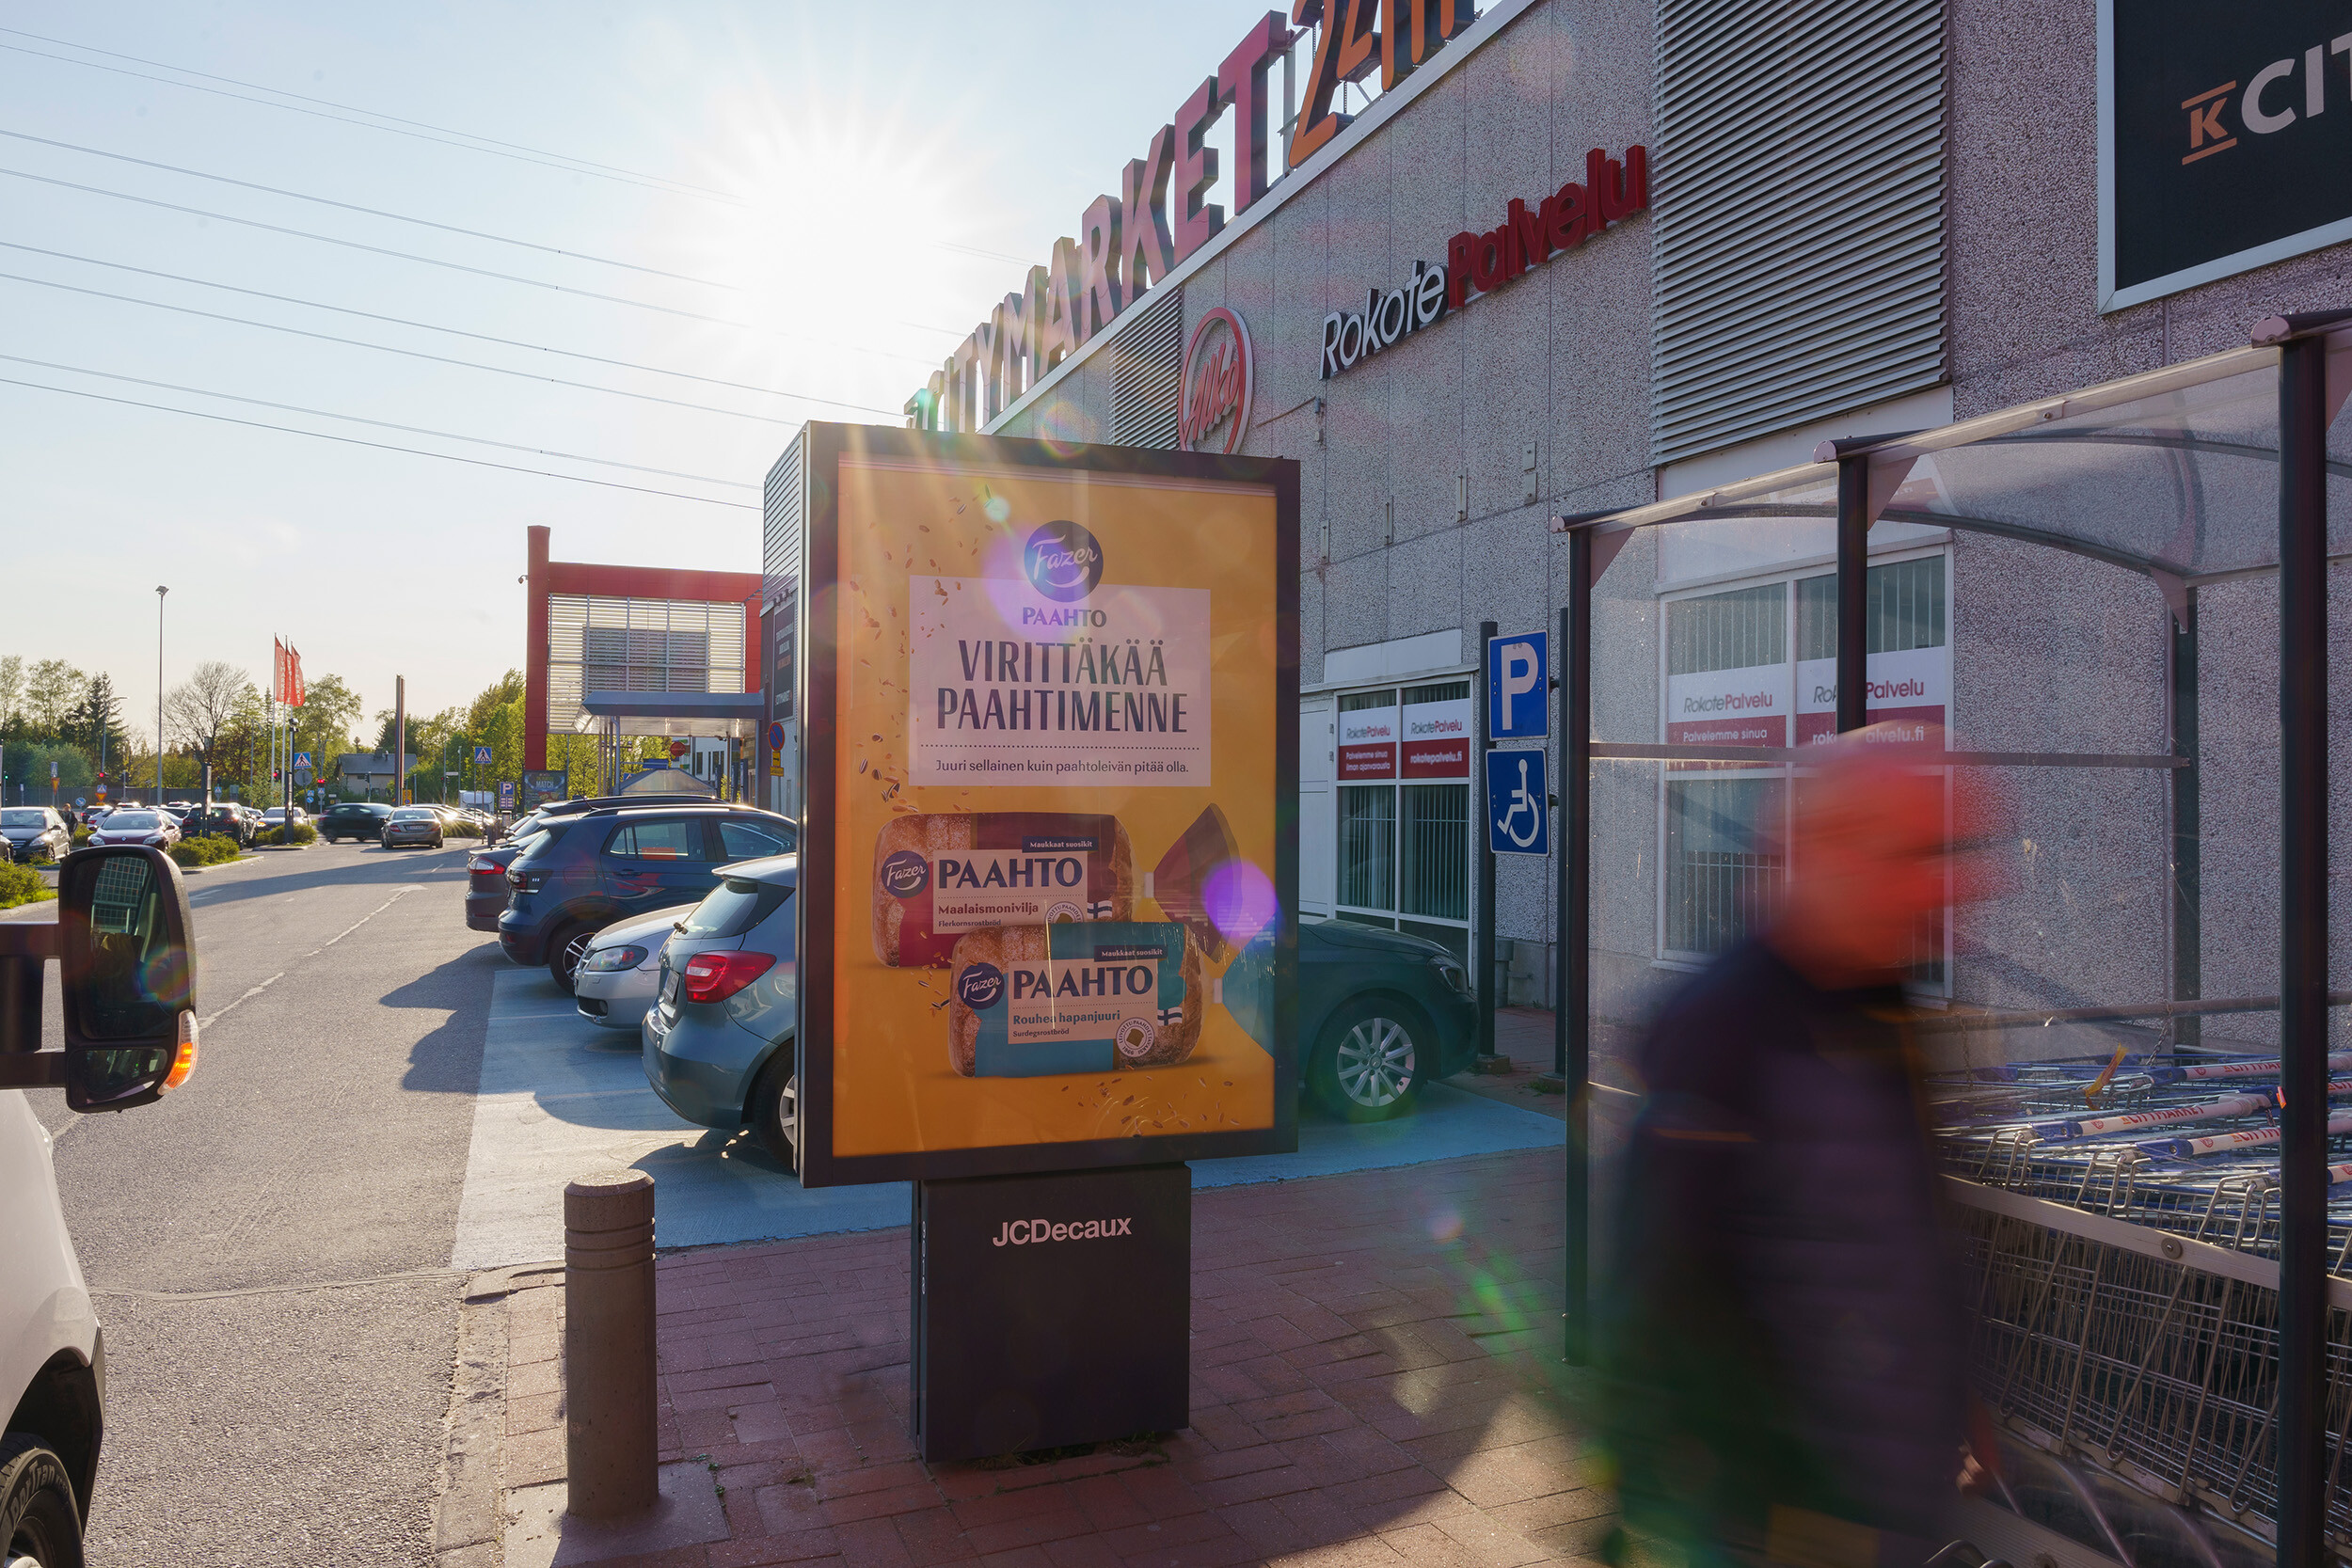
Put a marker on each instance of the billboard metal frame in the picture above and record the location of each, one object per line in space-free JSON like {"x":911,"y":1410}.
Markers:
{"x":826,"y":445}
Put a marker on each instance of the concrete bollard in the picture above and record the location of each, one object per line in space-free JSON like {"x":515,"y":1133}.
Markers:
{"x":609,"y":1442}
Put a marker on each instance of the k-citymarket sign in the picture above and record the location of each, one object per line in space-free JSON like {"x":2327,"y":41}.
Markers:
{"x":1129,"y":242}
{"x":2225,"y":132}
{"x":1476,"y":265}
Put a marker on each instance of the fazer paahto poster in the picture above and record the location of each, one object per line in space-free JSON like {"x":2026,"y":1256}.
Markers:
{"x":1048,"y":879}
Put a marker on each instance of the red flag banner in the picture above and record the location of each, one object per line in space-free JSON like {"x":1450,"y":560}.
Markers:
{"x":276,"y":669}
{"x":293,"y":657}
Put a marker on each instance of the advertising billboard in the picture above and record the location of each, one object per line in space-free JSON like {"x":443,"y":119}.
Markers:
{"x":1049,"y":753}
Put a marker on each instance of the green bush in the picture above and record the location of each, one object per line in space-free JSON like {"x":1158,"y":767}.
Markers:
{"x":462,"y":830}
{"x":303,"y":834}
{"x":204,"y":849}
{"x":81,"y":836}
{"x":21,"y":884}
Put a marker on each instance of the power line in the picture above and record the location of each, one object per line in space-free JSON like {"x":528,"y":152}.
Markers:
{"x":380,"y":424}
{"x":569,"y":164}
{"x":483,"y":337}
{"x":371,"y":212}
{"x":379,"y":446}
{"x":441,"y":359}
{"x":377,"y":250}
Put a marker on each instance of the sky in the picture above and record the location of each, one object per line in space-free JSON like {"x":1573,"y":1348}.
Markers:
{"x":790,"y":202}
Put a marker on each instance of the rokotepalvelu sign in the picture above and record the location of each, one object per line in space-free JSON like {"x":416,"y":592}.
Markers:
{"x":1050,"y":742}
{"x":2225,"y":132}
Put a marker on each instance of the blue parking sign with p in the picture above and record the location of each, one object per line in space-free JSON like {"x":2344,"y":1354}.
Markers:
{"x":1518,"y":816}
{"x":1519,"y":705}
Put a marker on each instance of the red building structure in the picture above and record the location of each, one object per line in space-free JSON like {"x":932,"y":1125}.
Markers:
{"x":630,"y":628}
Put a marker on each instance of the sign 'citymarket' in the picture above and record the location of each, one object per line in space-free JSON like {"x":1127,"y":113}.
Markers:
{"x":1129,"y":242}
{"x":1476,"y":265}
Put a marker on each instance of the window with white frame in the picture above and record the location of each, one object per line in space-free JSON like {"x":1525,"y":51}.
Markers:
{"x":1736,"y":676}
{"x":1403,"y":820}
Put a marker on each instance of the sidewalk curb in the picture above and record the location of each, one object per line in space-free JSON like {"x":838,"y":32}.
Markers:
{"x":467,"y":1523}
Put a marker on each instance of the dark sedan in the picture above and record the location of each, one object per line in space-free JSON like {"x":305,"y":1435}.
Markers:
{"x":1379,"y":1014}
{"x":360,"y":819}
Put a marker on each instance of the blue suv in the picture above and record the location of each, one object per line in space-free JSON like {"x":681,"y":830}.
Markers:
{"x":618,"y":863}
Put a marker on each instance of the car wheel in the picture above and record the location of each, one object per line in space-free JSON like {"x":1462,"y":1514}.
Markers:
{"x":39,"y":1526}
{"x":1369,"y":1066}
{"x":775,"y":1109}
{"x":564,"y":953}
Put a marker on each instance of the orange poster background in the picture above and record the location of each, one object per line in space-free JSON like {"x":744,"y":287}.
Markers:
{"x":894,"y":1088}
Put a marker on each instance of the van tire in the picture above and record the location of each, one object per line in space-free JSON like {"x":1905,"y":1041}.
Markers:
{"x":37,"y":1520}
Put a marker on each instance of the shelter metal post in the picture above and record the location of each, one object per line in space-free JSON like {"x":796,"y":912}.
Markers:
{"x":1482,"y":941}
{"x":1572,"y":1013}
{"x":2188,"y":898}
{"x":2303,"y":420}
{"x":1853,"y":569}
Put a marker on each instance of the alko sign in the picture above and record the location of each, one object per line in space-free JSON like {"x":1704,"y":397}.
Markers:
{"x":1220,"y":374}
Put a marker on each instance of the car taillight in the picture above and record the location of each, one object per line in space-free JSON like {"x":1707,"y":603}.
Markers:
{"x":716,"y":977}
{"x":522,"y":881}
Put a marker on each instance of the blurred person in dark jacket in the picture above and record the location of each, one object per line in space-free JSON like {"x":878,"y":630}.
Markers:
{"x":1783,"y":1345}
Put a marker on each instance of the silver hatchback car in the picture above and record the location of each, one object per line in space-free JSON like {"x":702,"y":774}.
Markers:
{"x":718,"y":1042}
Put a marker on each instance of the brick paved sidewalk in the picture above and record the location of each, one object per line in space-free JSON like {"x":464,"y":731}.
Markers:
{"x":1377,"y":1380}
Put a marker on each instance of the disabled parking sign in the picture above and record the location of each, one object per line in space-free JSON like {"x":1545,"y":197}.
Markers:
{"x":1518,"y":814}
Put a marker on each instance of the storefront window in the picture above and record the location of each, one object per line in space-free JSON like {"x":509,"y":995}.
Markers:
{"x":1403,"y":810}
{"x":1731,"y":680}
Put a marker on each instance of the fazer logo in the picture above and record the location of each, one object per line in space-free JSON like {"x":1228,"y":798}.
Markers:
{"x":1026,"y":1232}
{"x":906,"y":874}
{"x":1063,"y":560}
{"x":980,"y":987}
{"x":1219,"y":371}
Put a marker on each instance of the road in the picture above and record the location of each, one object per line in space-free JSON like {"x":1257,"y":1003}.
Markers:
{"x":269,"y":1246}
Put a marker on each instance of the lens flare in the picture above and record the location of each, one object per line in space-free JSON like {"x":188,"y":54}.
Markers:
{"x":1446,"y":1225}
{"x":1239,"y":899}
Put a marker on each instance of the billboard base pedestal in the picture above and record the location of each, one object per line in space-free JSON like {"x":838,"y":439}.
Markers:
{"x":1050,"y":1311}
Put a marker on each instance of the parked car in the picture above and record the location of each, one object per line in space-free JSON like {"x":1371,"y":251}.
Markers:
{"x":360,"y":819}
{"x":413,"y":825}
{"x":1380,"y":1014}
{"x":614,"y":863}
{"x":137,"y":825}
{"x":276,"y":816}
{"x":717,"y":1042}
{"x":34,"y":833}
{"x":620,"y":976}
{"x":222,"y":819}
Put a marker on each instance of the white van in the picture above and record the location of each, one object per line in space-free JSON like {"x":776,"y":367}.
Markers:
{"x":121,"y":942}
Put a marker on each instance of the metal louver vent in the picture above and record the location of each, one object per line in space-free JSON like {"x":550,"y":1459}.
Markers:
{"x":1148,"y":374}
{"x":783,"y":504}
{"x":1798,"y":191}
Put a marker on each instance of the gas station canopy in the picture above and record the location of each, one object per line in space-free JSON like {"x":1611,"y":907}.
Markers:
{"x":725,"y":715}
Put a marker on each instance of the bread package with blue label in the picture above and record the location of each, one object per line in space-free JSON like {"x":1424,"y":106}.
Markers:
{"x":1028,"y":1001}
{"x":941,"y":875}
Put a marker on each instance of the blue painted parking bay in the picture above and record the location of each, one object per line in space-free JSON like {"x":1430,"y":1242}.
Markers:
{"x":561,"y":1099}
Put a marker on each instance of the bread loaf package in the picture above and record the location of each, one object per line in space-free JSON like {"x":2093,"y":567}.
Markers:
{"x":1026,"y":1001}
{"x":942,"y":875}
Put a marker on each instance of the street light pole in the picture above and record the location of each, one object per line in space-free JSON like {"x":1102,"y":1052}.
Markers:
{"x":159,"y":592}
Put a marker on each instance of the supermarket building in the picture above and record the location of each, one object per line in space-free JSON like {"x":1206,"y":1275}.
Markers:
{"x":1573,"y":256}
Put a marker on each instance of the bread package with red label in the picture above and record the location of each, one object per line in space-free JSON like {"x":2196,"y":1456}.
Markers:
{"x":943,"y":874}
{"x":1180,"y":884}
{"x":1031,"y":1000}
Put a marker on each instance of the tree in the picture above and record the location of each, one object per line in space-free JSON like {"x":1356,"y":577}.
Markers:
{"x":51,"y":695}
{"x":11,"y":690}
{"x":97,"y":724}
{"x":203,"y":711}
{"x":27,"y":772}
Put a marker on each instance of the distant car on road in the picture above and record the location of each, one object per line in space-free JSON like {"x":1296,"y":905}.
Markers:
{"x":360,"y":819}
{"x":586,"y":871}
{"x":137,"y":825}
{"x":34,"y":833}
{"x":413,"y":825}
{"x":717,"y":1043}
{"x":277,"y":815}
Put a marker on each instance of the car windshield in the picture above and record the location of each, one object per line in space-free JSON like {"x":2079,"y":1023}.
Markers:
{"x":123,"y":820}
{"x":414,"y":814}
{"x":732,"y":908}
{"x":22,"y":819}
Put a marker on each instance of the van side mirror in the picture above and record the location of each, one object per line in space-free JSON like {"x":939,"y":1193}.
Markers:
{"x":129,"y":972}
